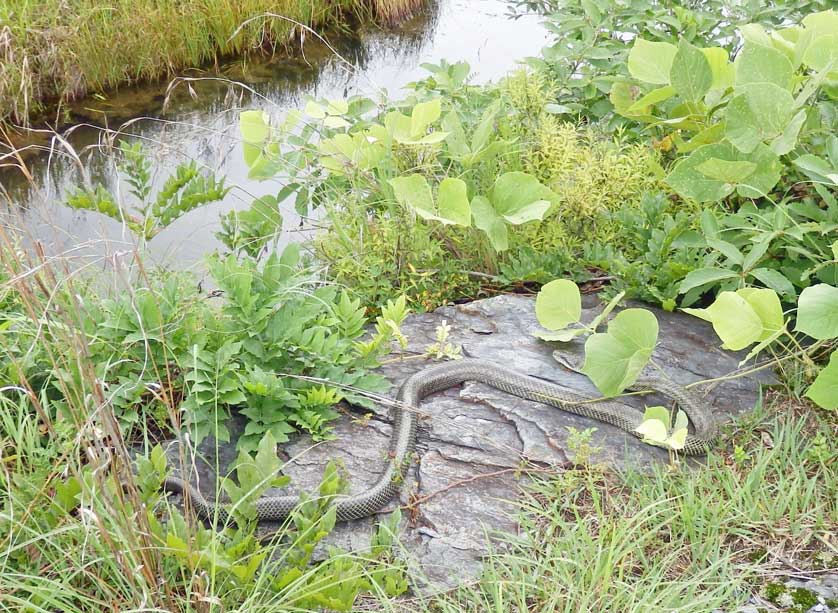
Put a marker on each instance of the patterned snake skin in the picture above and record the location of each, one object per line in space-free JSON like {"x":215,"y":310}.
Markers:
{"x":441,"y":377}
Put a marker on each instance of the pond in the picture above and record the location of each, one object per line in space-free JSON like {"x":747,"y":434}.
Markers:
{"x":196,"y":117}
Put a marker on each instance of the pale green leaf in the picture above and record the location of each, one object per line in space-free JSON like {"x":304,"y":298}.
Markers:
{"x":453,"y":202}
{"x":486,"y":219}
{"x":733,"y":319}
{"x":651,"y":62}
{"x":690,"y":74}
{"x":686,"y":179}
{"x":824,"y":389}
{"x":766,"y":304}
{"x":414,"y":192}
{"x":614,"y":359}
{"x":727,"y":171}
{"x":254,"y":127}
{"x":653,"y":431}
{"x":423,"y":115}
{"x":519,"y":197}
{"x":817,"y":312}
{"x":560,"y":336}
{"x":720,"y":66}
{"x":653,"y":97}
{"x":763,"y":64}
{"x":787,"y":141}
{"x":558,"y":304}
{"x":759,"y":114}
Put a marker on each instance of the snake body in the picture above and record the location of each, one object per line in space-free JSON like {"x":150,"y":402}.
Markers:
{"x":441,"y":377}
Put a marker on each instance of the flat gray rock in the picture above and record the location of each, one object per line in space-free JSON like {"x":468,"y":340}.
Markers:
{"x":473,"y":440}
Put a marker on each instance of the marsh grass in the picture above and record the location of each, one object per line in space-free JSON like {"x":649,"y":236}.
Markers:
{"x":51,"y":51}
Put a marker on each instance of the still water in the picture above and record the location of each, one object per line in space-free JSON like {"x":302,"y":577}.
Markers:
{"x":198,"y":119}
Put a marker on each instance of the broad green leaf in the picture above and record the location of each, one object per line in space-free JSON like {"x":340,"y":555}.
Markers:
{"x":727,"y":171}
{"x":733,"y":319}
{"x":755,"y":33}
{"x":817,"y":168}
{"x":486,"y":219}
{"x":651,"y":62}
{"x":787,"y":141}
{"x":690,"y":74}
{"x":456,"y":141}
{"x":423,"y":115}
{"x":774,"y":280}
{"x":398,"y":126}
{"x":653,"y":97}
{"x":766,"y":304}
{"x":653,"y":431}
{"x":759,"y":114}
{"x":614,"y":359}
{"x":658,"y":413}
{"x":558,"y":304}
{"x":686,"y":179}
{"x":254,"y":127}
{"x":822,"y":53}
{"x":824,"y":390}
{"x":761,"y":64}
{"x":314,"y":110}
{"x":453,"y":202}
{"x":721,"y":67}
{"x":519,"y":197}
{"x":705,"y":276}
{"x":817,"y":312}
{"x":336,"y":122}
{"x":414,"y":192}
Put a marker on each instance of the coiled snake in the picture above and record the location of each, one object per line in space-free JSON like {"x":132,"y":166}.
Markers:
{"x":441,"y":377}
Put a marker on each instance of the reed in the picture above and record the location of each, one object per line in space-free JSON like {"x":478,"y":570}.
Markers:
{"x":51,"y":52}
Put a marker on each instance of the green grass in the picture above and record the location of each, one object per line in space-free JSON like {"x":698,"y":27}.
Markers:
{"x":678,"y":539}
{"x":50,"y":51}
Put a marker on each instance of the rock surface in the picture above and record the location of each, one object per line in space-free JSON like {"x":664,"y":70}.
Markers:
{"x":472,"y":440}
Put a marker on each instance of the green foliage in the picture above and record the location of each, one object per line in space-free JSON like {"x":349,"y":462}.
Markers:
{"x":732,"y":121}
{"x":43,"y":493}
{"x":590,"y":50}
{"x":182,"y":192}
{"x":277,"y":345}
{"x":752,"y":316}
{"x":254,"y":230}
{"x":613,"y":359}
{"x":435,"y":195}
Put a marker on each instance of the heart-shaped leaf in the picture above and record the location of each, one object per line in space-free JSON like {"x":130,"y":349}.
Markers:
{"x":817,"y":312}
{"x":614,"y":359}
{"x":558,"y":304}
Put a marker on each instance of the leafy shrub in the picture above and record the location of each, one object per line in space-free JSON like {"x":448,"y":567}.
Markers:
{"x":732,"y":121}
{"x":153,"y":352}
{"x":435,"y":195}
{"x":591,"y":40}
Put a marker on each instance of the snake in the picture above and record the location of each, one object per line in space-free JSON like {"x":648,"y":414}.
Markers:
{"x":440,"y":377}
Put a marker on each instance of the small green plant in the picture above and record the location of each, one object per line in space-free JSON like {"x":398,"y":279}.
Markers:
{"x":185,"y":190}
{"x":754,"y":317}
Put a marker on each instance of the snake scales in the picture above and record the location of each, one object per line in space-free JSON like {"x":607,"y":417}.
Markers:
{"x":443,"y":376}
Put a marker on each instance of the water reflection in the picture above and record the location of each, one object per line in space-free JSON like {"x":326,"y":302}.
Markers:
{"x":197,"y":118}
